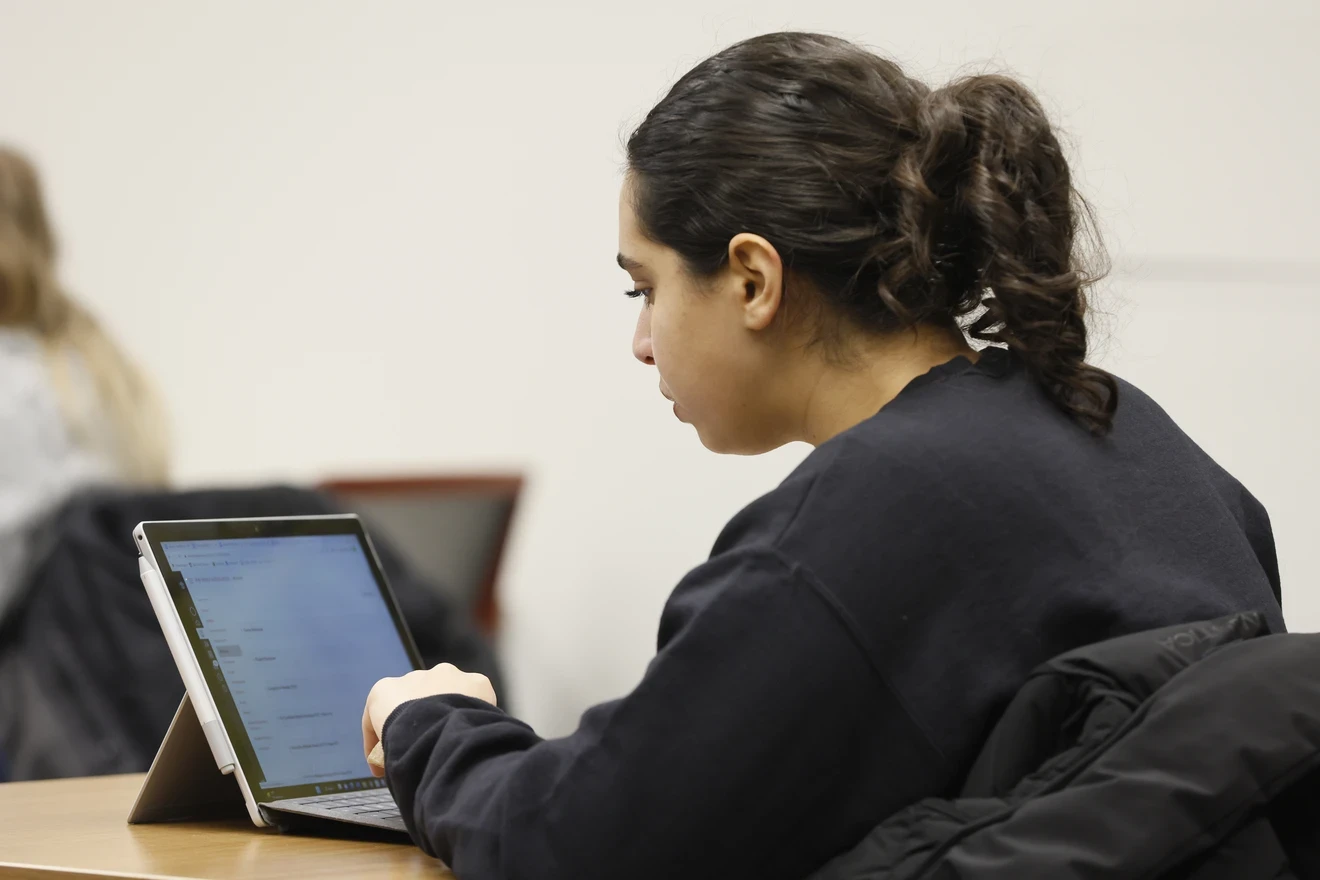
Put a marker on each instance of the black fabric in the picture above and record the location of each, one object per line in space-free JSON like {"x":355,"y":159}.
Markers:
{"x":847,"y":646}
{"x":87,"y":683}
{"x":1191,"y":752}
{"x":1295,"y":816}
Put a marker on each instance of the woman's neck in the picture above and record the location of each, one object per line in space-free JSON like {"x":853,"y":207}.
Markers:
{"x":839,"y":395}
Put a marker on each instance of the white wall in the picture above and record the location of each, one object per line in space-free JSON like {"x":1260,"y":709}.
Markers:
{"x":353,"y":237}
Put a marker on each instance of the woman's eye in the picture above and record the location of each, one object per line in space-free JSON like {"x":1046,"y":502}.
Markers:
{"x":640,"y":291}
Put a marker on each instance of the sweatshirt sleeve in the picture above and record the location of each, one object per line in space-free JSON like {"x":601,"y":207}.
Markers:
{"x":749,"y":729}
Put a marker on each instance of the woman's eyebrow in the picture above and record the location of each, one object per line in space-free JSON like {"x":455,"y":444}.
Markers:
{"x":628,"y":264}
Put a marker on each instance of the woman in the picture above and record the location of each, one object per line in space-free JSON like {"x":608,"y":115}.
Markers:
{"x":810,"y":232}
{"x":73,"y":410}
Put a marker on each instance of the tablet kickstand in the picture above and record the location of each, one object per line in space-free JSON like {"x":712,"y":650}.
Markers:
{"x":184,"y":782}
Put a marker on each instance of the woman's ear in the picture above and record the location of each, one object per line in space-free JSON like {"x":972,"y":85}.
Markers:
{"x":757,"y":268}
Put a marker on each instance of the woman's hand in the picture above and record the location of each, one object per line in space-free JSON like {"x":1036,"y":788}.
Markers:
{"x":390,"y":693}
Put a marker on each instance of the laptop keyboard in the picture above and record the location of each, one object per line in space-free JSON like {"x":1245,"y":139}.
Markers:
{"x":376,"y":804}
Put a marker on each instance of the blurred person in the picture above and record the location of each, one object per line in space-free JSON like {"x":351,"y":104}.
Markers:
{"x":74,"y":410}
{"x":830,"y":251}
{"x":83,"y":457}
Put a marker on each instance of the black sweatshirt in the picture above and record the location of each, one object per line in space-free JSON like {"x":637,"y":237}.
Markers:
{"x":849,"y":641}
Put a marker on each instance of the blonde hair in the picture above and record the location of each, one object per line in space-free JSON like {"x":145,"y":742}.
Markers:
{"x":32,"y":298}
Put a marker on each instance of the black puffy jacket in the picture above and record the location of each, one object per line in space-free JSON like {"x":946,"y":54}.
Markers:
{"x":1187,"y":752}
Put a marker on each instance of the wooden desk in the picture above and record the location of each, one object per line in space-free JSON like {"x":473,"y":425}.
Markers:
{"x":77,"y":828}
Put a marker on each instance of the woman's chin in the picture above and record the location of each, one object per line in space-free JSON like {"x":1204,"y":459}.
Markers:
{"x":725,"y":445}
{"x":743,"y":444}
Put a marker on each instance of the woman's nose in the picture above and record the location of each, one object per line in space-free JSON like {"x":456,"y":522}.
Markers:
{"x":642,"y":338}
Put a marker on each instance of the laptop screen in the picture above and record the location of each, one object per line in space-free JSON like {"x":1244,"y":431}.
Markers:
{"x":291,"y":632}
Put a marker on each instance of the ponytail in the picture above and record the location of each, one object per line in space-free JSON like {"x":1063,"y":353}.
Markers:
{"x":990,"y":209}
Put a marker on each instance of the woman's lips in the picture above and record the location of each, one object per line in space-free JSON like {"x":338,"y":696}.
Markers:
{"x":671,"y":400}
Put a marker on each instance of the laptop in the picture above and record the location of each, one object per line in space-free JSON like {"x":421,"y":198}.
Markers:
{"x":279,"y":628}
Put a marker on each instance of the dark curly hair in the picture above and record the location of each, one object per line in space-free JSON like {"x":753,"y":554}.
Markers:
{"x":901,"y":205}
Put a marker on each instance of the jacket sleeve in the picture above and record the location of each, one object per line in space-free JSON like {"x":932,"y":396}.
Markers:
{"x":749,"y":729}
